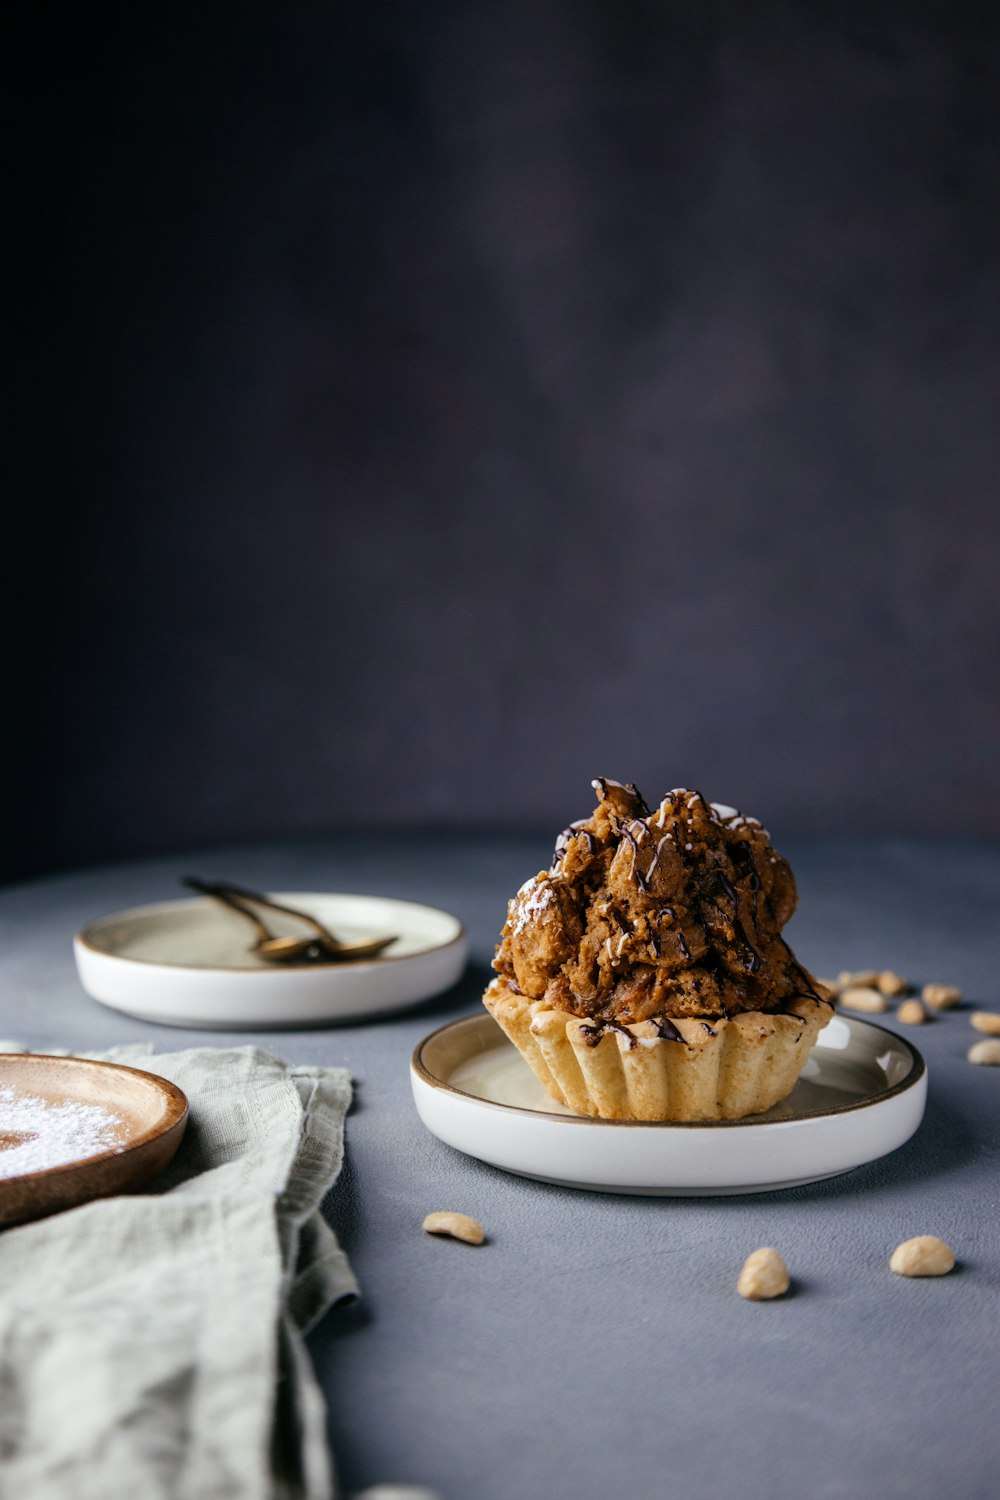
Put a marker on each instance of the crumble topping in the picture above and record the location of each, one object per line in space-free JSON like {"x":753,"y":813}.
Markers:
{"x":652,"y":913}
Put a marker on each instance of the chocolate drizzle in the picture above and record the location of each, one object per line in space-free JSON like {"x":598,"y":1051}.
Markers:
{"x":806,"y":978}
{"x":601,"y":784}
{"x":623,"y":1031}
{"x":627,"y":833}
{"x":673,"y":911}
{"x":751,"y":956}
{"x":564,"y":840}
{"x":750,"y":871}
{"x":593,"y":1033}
{"x":643,"y":880}
{"x":665,"y":1029}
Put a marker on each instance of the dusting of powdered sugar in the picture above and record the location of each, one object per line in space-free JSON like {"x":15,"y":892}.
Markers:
{"x":36,"y":1134}
{"x":539,"y":896}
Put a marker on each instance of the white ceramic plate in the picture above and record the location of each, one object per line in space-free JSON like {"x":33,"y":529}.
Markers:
{"x":861,"y":1094}
{"x":189,"y":963}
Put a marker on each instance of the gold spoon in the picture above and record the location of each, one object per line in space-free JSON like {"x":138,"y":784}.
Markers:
{"x":323,"y":948}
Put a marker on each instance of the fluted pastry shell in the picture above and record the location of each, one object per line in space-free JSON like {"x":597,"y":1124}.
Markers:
{"x":718,"y":1070}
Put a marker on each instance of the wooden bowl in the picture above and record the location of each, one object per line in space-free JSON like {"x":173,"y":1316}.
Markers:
{"x":153,"y":1113}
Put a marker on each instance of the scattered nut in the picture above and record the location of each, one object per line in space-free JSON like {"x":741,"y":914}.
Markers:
{"x":911,"y":1013}
{"x":987,"y":1054}
{"x":924,"y":1256}
{"x":459,"y":1226}
{"x":987,"y":1021}
{"x":941,"y":996}
{"x":863,"y":999}
{"x":864,"y":978}
{"x":764,"y":1275}
{"x":893,"y":984}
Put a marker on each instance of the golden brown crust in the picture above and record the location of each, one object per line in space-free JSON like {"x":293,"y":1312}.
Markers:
{"x":725,"y":1070}
{"x":675,"y":913}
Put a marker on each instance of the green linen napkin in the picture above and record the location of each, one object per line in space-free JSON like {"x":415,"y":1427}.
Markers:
{"x":152,"y":1345}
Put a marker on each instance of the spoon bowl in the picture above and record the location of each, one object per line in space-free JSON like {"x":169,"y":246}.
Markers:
{"x":320,"y":948}
{"x":289,"y":950}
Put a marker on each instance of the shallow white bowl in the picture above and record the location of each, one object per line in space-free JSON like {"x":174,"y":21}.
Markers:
{"x":861,"y":1094}
{"x":189,"y":963}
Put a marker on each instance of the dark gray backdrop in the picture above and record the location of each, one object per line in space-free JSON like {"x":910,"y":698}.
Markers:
{"x":421,"y":409}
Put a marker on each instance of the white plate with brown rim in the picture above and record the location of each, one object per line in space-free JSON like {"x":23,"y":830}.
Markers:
{"x":191,"y":963}
{"x":861,"y":1095}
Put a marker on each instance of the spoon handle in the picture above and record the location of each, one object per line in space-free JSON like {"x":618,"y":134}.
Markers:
{"x":230,"y":897}
{"x":241,"y":894}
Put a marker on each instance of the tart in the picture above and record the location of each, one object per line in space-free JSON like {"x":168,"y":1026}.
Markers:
{"x":644,"y":975}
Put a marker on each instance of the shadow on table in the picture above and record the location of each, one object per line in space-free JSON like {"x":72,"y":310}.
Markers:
{"x":341,"y":1207}
{"x":464,"y":996}
{"x":944,"y":1143}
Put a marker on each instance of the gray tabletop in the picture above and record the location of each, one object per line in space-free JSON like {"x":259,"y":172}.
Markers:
{"x":596,"y":1345}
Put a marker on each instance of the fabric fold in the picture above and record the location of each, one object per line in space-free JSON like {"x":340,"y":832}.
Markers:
{"x":153,"y":1344}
